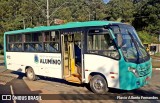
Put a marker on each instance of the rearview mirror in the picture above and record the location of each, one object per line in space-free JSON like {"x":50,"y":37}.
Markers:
{"x":119,"y":40}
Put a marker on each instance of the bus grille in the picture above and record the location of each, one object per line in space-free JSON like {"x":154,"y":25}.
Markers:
{"x":144,"y":71}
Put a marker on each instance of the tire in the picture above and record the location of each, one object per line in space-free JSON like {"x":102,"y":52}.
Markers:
{"x":30,"y":74}
{"x":98,"y":85}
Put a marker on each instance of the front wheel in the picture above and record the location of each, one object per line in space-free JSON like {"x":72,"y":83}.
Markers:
{"x":98,"y":85}
{"x":30,"y":74}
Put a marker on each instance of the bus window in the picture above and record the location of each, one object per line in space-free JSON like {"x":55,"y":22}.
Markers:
{"x":15,"y":47}
{"x":51,"y":36}
{"x":51,"y":43}
{"x":38,"y":47}
{"x":51,"y":47}
{"x":28,"y":37}
{"x":37,"y":37}
{"x":29,"y":47}
{"x":18,"y":38}
{"x":102,"y":44}
{"x":15,"y":38}
{"x":129,"y":47}
{"x":11,"y":38}
{"x":12,"y":47}
{"x":19,"y":47}
{"x":33,"y":42}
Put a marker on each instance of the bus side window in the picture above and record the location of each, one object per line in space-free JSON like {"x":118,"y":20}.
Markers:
{"x":29,"y":48}
{"x":56,"y":46}
{"x":20,"y":47}
{"x":51,"y":43}
{"x":12,"y":47}
{"x":38,"y":47}
{"x":102,"y":44}
{"x":46,"y":47}
{"x":51,"y":47}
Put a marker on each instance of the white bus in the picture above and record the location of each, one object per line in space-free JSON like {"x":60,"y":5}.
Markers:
{"x":104,"y":54}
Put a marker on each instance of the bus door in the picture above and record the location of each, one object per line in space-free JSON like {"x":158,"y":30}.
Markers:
{"x":70,"y":70}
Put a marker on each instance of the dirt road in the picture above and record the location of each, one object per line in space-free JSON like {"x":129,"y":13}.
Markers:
{"x":56,"y":90}
{"x":61,"y":91}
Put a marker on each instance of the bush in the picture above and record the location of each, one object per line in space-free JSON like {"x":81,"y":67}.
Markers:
{"x":157,"y":54}
{"x":147,"y":37}
{"x":1,"y":52}
{"x":144,"y":36}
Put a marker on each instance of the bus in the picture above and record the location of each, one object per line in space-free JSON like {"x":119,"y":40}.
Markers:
{"x":101,"y":54}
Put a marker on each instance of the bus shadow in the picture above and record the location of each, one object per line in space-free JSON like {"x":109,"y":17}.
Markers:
{"x":136,"y":92}
{"x":2,"y":64}
{"x":17,"y":86}
{"x":118,"y":91}
{"x":49,"y":79}
{"x":58,"y":81}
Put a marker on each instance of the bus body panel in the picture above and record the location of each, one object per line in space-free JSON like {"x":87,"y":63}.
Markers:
{"x":44,"y":64}
{"x":104,"y":65}
{"x":129,"y":81}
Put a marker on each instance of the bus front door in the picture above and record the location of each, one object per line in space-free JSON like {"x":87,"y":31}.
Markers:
{"x":70,"y":70}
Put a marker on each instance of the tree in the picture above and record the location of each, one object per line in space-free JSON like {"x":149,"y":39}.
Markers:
{"x":121,"y":10}
{"x":148,"y":17}
{"x":142,"y":14}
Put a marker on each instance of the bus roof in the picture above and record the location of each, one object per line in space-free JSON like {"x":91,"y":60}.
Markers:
{"x":63,"y":26}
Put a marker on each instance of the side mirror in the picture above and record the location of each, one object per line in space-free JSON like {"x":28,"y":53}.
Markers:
{"x":119,"y":40}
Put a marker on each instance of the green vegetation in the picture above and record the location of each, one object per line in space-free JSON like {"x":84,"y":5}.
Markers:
{"x":1,"y":52}
{"x":144,"y":15}
{"x":157,"y":54}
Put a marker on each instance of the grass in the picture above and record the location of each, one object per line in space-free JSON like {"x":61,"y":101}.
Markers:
{"x":1,"y":52}
{"x":157,"y":54}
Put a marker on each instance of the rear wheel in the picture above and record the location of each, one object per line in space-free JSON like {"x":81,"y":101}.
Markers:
{"x":30,"y":74}
{"x":98,"y":85}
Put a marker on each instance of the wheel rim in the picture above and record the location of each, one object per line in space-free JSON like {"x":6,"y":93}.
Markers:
{"x":98,"y":84}
{"x":30,"y":74}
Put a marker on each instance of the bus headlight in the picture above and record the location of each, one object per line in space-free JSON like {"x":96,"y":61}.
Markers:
{"x":134,"y":71}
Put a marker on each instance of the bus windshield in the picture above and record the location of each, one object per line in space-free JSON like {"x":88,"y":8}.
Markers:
{"x":132,"y":48}
{"x":140,"y":47}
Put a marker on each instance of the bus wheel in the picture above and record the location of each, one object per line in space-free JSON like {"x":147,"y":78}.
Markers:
{"x":30,"y":74}
{"x":98,"y":85}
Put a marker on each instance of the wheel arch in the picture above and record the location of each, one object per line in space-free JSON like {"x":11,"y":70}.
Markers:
{"x":94,"y":79}
{"x":96,"y":73}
